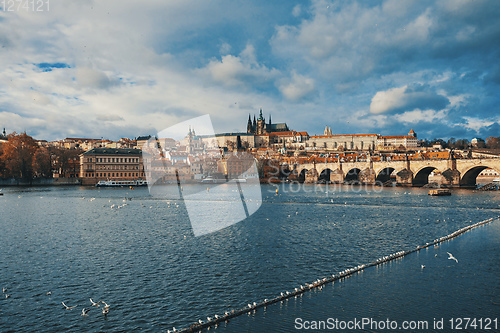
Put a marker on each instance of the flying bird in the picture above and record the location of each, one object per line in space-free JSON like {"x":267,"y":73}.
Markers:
{"x":423,"y":266}
{"x":94,"y":303}
{"x":68,"y":307}
{"x":106,"y":306}
{"x":452,"y":257}
{"x":84,"y":312}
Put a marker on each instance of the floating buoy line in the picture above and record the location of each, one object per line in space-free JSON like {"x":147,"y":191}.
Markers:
{"x":214,"y":321}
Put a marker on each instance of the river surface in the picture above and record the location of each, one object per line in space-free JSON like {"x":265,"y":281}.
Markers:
{"x":145,"y":262}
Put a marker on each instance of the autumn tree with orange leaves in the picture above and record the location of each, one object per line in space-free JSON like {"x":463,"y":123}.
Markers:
{"x":18,"y":156}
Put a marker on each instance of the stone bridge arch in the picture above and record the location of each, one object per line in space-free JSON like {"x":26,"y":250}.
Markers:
{"x":302,"y":175}
{"x":384,"y":174}
{"x":352,"y":175}
{"x":469,"y":177}
{"x":421,"y":176}
{"x":325,"y":174}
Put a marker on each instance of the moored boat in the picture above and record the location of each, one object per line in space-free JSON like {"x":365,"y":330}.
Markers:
{"x":439,"y":192}
{"x":119,"y":183}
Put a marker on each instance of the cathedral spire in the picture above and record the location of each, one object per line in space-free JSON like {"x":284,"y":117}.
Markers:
{"x":249,"y":124}
{"x":260,"y":116}
{"x":269,"y":119}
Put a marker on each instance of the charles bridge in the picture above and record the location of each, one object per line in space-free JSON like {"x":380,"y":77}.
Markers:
{"x":454,"y":172}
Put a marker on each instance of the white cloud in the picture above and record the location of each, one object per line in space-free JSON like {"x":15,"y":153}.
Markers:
{"x":296,"y":10}
{"x":297,"y":87}
{"x":476,"y":124}
{"x":88,"y":77}
{"x":241,"y":70}
{"x":225,"y":48}
{"x":386,"y":101}
{"x":406,"y":98}
{"x":416,"y":116}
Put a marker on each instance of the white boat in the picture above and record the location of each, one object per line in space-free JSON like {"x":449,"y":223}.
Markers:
{"x":119,"y":183}
{"x":211,"y":180}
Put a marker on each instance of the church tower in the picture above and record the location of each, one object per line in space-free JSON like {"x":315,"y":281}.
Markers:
{"x":328,"y":130}
{"x":261,"y":124}
{"x":249,"y":125}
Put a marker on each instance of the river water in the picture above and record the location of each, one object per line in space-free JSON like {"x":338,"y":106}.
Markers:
{"x":145,"y":262}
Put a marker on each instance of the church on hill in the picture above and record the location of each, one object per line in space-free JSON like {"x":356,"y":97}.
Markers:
{"x":259,"y":126}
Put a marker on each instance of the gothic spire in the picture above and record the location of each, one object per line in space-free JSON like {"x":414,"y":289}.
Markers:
{"x":249,"y":124}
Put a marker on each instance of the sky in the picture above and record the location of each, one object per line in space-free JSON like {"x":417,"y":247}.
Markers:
{"x":116,"y":69}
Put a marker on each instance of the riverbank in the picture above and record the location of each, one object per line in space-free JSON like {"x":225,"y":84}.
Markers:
{"x":40,"y":182}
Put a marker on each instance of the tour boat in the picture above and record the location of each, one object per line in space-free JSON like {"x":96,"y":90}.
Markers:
{"x":439,"y":192}
{"x":211,"y":180}
{"x":118,"y":183}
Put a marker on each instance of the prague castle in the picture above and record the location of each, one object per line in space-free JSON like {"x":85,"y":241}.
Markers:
{"x":261,"y":127}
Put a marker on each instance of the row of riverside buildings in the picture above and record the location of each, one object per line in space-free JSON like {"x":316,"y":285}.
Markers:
{"x":199,"y":156}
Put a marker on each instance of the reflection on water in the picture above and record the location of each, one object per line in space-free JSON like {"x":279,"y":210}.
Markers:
{"x":144,"y":261}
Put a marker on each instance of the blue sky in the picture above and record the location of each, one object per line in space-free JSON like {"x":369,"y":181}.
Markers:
{"x":117,"y":69}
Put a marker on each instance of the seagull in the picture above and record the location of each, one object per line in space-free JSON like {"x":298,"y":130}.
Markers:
{"x":106,"y":306}
{"x":49,"y":293}
{"x":4,"y":290}
{"x":452,"y":257}
{"x":105,"y":311}
{"x":84,"y":312}
{"x":423,"y":266}
{"x":209,"y":319}
{"x":94,"y":303}
{"x":200,"y":321}
{"x":68,"y":307}
{"x":7,"y":296}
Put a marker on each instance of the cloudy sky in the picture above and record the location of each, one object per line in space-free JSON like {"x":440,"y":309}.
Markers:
{"x":125,"y":68}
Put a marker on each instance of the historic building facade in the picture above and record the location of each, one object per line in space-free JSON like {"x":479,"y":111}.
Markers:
{"x":344,"y":142}
{"x":392,"y":142}
{"x":111,"y":164}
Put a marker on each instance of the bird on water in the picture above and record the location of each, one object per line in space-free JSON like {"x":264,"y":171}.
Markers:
{"x":451,"y":257}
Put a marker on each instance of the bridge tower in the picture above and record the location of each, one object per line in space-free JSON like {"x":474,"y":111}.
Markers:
{"x":451,"y":176}
{"x":405,"y":176}
{"x":312,"y":175}
{"x":337,"y":176}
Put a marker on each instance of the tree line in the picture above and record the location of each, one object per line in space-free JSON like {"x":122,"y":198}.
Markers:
{"x":490,"y":143}
{"x":21,"y":157}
